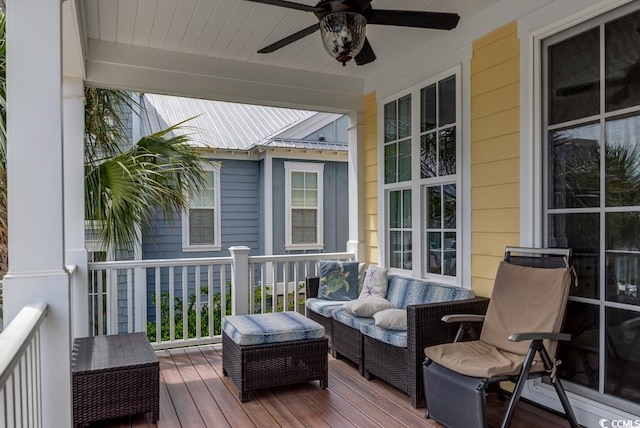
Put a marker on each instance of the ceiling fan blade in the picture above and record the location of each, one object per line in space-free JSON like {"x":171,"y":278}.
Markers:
{"x":366,"y":55}
{"x":290,"y":39}
{"x":405,"y":18}
{"x":289,"y":5}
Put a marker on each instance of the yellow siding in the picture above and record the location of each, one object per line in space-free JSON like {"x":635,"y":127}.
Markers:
{"x":370,"y":130}
{"x":495,"y":154}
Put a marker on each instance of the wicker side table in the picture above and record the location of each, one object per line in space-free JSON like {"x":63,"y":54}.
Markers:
{"x":114,"y":376}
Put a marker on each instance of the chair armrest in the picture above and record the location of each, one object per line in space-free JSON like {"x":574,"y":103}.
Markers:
{"x":312,"y":285}
{"x":425,"y":326}
{"x":462,"y":318}
{"x":518,"y":337}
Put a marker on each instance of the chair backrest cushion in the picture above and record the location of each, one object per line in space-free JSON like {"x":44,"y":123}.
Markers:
{"x":525,"y":299}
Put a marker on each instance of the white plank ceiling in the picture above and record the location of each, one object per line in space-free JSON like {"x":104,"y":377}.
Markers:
{"x":208,"y":49}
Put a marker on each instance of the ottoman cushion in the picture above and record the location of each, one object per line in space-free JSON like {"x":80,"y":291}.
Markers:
{"x":259,"y":329}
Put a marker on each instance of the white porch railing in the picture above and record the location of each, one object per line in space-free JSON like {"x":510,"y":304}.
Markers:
{"x":20,"y":372}
{"x":181,"y":302}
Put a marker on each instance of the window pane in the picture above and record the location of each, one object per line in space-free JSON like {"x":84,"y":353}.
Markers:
{"x":623,"y":162}
{"x":297,"y":180}
{"x":297,"y":198}
{"x":434,"y":207}
{"x":622,"y":354}
{"x":580,"y":357}
{"x":623,"y":256}
{"x":406,"y":209}
{"x":449,"y":206}
{"x":574,"y":77}
{"x":428,"y":156}
{"x":434,"y":253}
{"x":622,"y":68}
{"x":201,"y":227}
{"x":404,"y":160}
{"x":582,"y":233}
{"x":395,"y":210}
{"x":447,"y":100}
{"x":390,"y":123}
{"x":390,"y":159}
{"x":404,"y":117}
{"x":311,"y":180}
{"x":449,"y":254}
{"x":311,"y":198}
{"x":447,"y":164}
{"x":428,"y":108}
{"x":574,"y":167}
{"x":406,"y":248}
{"x":304,"y":226}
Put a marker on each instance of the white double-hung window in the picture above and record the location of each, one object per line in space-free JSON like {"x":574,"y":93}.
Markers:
{"x":201,"y":222}
{"x":304,"y":205}
{"x":420,"y":167}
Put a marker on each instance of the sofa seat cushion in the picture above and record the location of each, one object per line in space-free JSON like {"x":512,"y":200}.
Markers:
{"x":323,"y":307}
{"x":347,"y":318}
{"x":258,"y":329}
{"x":403,"y":292}
{"x":396,"y":338}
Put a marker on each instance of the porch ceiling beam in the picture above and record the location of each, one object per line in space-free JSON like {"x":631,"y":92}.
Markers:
{"x":156,"y":71}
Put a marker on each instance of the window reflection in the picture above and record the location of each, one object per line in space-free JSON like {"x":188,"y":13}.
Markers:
{"x":623,"y":162}
{"x":574,"y":166}
{"x":622,"y":62}
{"x":623,"y":256}
{"x":622,"y":376}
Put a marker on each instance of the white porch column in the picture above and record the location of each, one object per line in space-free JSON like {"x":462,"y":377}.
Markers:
{"x":356,"y":184}
{"x":35,"y":196}
{"x":75,"y":251}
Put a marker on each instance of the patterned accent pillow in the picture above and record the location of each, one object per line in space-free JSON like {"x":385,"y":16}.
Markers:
{"x":338,"y":280}
{"x":375,"y":283}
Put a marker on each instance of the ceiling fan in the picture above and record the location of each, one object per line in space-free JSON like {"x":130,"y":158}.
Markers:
{"x":342,"y":26}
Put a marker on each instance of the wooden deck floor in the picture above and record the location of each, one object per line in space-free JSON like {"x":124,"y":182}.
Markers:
{"x":194,"y":393}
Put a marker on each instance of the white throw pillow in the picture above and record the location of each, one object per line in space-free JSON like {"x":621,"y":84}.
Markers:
{"x":391,"y":319}
{"x":375,"y":283}
{"x":348,"y":304}
{"x":368,"y":307}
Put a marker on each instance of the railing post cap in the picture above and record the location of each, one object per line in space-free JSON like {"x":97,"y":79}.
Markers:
{"x":239,"y":249}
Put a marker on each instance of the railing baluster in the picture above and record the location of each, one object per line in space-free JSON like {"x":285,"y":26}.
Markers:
{"x":198,"y":294}
{"x":285,"y":286}
{"x":129,"y":300}
{"x":210,"y":299}
{"x":296,"y":295}
{"x":172,"y":309}
{"x":185,"y":303}
{"x":252,"y":274}
{"x":263,"y":288}
{"x":223,"y":292}
{"x":101,"y":327}
{"x":274,"y":287}
{"x":158,"y":305}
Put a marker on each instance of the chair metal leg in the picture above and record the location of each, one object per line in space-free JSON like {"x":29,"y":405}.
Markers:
{"x":548,"y":364}
{"x":524,"y":374}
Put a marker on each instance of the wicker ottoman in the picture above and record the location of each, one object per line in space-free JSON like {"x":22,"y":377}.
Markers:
{"x":267,"y":350}
{"x":114,"y":376}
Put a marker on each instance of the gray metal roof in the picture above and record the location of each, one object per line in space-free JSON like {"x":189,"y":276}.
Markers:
{"x":304,"y":144}
{"x":219,"y":124}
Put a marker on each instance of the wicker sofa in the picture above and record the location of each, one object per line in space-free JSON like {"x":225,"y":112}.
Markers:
{"x":396,"y":356}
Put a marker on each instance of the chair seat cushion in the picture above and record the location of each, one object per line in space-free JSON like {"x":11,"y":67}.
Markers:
{"x":257,"y":329}
{"x":347,"y":318}
{"x":396,"y":338}
{"x":322,"y":306}
{"x":478,"y":359}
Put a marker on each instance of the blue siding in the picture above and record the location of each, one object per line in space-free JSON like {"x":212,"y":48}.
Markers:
{"x":336,"y":206}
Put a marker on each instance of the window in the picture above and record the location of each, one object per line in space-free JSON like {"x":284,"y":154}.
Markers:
{"x":201,"y":222}
{"x":304,"y":197}
{"x":591,"y":201}
{"x":420,"y":166}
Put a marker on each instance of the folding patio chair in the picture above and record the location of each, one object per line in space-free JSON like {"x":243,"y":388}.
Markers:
{"x":517,"y":342}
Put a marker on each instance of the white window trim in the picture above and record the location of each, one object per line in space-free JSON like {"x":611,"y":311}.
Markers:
{"x":217,"y":246}
{"x":417,"y":184}
{"x":318,"y":168}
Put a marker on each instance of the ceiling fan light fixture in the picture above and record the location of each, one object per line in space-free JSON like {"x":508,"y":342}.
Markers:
{"x":343,"y":34}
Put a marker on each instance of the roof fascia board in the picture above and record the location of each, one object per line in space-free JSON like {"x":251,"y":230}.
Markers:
{"x":308,"y":126}
{"x":142,"y":69}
